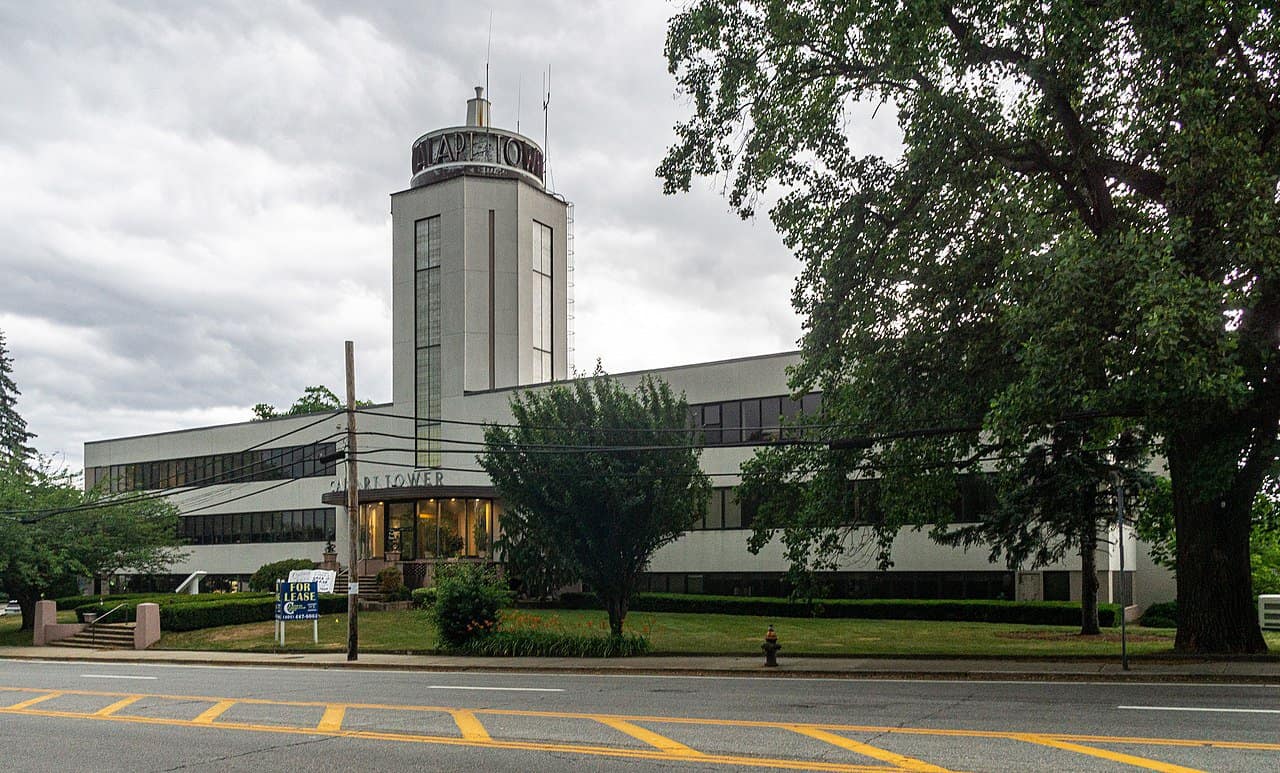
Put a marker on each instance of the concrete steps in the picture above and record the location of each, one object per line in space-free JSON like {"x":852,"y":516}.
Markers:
{"x":369,"y":589}
{"x":108,"y":636}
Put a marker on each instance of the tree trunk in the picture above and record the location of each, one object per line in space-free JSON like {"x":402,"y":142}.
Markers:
{"x":1089,"y":581}
{"x":1216,"y":613}
{"x":617,"y":606}
{"x":28,"y":605}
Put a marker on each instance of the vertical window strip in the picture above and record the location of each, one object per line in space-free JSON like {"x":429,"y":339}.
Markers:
{"x":542,"y":300}
{"x":427,"y":340}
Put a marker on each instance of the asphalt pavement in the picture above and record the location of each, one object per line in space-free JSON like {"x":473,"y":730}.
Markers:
{"x":150,"y":715}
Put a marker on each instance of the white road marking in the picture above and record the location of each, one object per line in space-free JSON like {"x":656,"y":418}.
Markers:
{"x":1201,"y":708}
{"x":499,"y":689}
{"x":115,"y":676}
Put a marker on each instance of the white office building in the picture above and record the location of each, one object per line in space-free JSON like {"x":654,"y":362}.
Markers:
{"x":482,"y":299}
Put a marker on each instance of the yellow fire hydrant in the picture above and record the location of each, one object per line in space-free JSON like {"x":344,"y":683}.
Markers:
{"x":771,"y":647}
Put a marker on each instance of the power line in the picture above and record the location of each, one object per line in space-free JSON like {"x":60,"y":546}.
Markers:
{"x":242,"y":496}
{"x":659,"y":430}
{"x":535,"y":448}
{"x":213,"y":480}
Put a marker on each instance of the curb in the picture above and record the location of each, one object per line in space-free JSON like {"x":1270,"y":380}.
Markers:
{"x":759,"y":673}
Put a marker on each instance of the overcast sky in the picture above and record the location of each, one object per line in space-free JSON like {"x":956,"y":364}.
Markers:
{"x":194,"y":209}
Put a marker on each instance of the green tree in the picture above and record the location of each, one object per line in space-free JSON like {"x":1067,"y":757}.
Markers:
{"x":530,"y":557}
{"x":1054,"y":501}
{"x":15,"y":439}
{"x":53,"y":534}
{"x":1082,"y":222}
{"x":608,"y":475}
{"x":314,"y":399}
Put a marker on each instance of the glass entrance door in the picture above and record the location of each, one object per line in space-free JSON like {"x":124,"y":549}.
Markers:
{"x":400,"y":530}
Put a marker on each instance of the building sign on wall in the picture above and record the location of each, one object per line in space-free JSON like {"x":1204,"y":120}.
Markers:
{"x":481,"y":151}
{"x":395,"y":480}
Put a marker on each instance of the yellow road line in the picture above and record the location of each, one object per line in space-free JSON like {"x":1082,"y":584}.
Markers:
{"x":1128,"y":759}
{"x":113,"y":708}
{"x":471,"y":728}
{"x":599,"y":751}
{"x":32,"y":701}
{"x":884,"y":755}
{"x":1244,"y":745}
{"x":332,"y":719}
{"x":213,"y":712}
{"x":944,"y":732}
{"x":649,"y":737}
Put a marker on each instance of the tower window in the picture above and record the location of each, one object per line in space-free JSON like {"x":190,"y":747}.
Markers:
{"x":542,"y":326}
{"x":426,"y":255}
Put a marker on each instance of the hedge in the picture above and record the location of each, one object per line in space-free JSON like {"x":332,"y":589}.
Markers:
{"x":100,"y":606}
{"x":1163,"y":614}
{"x":967,"y":610}
{"x":423,"y":597}
{"x":71,"y":602}
{"x":205,"y":612}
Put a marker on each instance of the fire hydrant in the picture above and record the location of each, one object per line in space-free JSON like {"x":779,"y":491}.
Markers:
{"x":770,"y":647}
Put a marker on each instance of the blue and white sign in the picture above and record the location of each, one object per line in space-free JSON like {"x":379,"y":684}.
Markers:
{"x":298,"y":601}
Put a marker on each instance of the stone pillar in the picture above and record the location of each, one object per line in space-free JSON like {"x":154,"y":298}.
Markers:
{"x":146,"y":631}
{"x":46,"y":614}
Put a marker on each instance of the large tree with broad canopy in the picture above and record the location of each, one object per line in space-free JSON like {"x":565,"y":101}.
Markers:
{"x":1082,"y":224}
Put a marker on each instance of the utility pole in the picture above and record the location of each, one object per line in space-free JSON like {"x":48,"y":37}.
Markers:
{"x":1124,"y":581}
{"x":353,"y":511}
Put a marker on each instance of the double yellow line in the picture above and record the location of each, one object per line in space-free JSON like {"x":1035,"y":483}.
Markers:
{"x":472,"y":732}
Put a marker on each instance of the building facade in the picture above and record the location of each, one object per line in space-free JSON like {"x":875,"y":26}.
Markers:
{"x":482,"y":267}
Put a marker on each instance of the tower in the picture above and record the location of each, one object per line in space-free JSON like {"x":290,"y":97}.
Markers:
{"x":479,"y":271}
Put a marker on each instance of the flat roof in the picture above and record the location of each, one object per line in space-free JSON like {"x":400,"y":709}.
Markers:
{"x":250,"y":422}
{"x":665,"y":369}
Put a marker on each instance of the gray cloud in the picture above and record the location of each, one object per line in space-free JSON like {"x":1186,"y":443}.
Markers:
{"x":194,"y":209}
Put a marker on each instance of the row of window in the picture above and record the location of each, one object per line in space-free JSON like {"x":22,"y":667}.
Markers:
{"x":975,"y":500}
{"x":758,"y":419}
{"x":311,"y":525}
{"x":725,"y":512}
{"x":263,"y":464}
{"x":855,"y":585}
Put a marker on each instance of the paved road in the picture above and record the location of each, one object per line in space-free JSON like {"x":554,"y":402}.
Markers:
{"x":100,"y":716}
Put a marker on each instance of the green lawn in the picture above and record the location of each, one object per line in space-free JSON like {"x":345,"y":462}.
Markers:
{"x":674,"y":633}
{"x":12,"y":635}
{"x":687,"y":633}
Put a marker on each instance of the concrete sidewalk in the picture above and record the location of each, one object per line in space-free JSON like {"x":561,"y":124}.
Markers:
{"x":1141,"y":669}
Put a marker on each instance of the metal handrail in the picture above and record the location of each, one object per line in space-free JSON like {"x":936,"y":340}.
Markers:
{"x":93,"y":630}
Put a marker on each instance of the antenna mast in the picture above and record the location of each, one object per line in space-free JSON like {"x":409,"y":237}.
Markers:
{"x":488,"y":46}
{"x":546,"y":112}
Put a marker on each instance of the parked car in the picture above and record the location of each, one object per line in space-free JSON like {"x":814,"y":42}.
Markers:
{"x":11,"y":608}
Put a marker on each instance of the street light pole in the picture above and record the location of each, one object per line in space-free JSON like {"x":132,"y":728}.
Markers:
{"x":353,"y":510}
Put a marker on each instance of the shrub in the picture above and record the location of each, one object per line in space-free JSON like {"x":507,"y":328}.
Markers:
{"x":468,"y":600}
{"x":389,"y":579}
{"x":264,"y":580}
{"x":520,"y":643}
{"x":967,"y":610}
{"x":1163,"y":614}
{"x":423,"y":598}
{"x":188,"y":613}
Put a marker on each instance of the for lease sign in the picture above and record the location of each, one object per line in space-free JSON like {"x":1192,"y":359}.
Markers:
{"x":298,"y":601}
